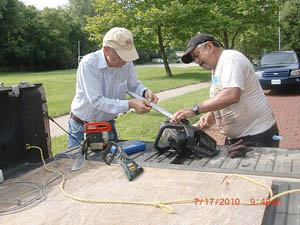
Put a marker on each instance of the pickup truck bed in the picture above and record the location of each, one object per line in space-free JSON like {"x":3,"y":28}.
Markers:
{"x":282,"y":165}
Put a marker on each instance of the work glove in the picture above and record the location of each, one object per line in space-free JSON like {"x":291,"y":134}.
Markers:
{"x":238,"y":149}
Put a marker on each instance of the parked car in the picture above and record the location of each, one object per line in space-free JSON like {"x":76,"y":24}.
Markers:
{"x":279,"y":69}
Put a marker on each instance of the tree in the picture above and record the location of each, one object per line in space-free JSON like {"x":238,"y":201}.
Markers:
{"x":231,"y":18}
{"x":10,"y":31}
{"x":3,"y":5}
{"x":156,"y":24}
{"x":290,"y":24}
{"x":256,"y":41}
{"x":79,"y":10}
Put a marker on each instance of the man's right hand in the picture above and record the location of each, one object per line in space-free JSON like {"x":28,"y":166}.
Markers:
{"x":140,"y":105}
{"x":205,"y":121}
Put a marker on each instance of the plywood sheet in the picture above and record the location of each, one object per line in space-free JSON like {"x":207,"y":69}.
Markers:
{"x":99,"y":181}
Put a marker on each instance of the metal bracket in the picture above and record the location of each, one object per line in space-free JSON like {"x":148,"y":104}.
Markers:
{"x":15,"y":91}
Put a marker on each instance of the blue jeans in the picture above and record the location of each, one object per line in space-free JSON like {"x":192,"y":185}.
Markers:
{"x":76,"y":130}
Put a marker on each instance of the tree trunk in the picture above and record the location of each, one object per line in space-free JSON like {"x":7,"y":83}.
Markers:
{"x":225,"y":40}
{"x":163,"y":53}
{"x":235,"y":36}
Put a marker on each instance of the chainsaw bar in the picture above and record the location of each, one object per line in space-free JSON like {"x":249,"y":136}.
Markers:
{"x":79,"y":161}
{"x":154,"y":106}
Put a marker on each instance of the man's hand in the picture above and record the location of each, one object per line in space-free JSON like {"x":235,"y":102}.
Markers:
{"x":205,"y":121}
{"x":140,"y":105}
{"x":238,"y":149}
{"x":150,"y":96}
{"x":182,"y":114}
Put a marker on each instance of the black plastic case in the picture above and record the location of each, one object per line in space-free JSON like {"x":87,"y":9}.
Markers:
{"x":23,"y":120}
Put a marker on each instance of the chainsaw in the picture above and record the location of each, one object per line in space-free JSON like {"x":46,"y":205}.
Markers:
{"x":185,"y":139}
{"x":182,"y":137}
{"x":95,"y":138}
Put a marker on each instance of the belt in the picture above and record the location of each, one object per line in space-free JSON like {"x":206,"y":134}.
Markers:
{"x":77,"y":119}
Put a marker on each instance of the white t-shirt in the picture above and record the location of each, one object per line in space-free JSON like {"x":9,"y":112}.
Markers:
{"x":252,"y":114}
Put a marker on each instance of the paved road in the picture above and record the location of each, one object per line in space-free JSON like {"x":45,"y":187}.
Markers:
{"x":182,"y":65}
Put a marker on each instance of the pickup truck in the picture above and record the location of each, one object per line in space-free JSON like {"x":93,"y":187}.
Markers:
{"x":24,"y":176}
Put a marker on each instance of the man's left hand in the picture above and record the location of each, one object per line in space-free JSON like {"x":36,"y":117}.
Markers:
{"x":150,"y":96}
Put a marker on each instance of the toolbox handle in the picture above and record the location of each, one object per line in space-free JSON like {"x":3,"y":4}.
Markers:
{"x":165,"y":125}
{"x":96,"y":127}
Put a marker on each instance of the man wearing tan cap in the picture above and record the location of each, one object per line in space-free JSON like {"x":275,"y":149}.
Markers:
{"x":103,"y":78}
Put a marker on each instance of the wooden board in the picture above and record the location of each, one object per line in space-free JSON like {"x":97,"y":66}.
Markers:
{"x":99,"y":181}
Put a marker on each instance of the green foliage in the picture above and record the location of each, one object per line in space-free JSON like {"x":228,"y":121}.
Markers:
{"x":255,"y":42}
{"x":55,"y":43}
{"x":32,"y":39}
{"x":144,"y":56}
{"x":59,"y":144}
{"x":290,"y":24}
{"x":230,"y":19}
{"x":80,"y":9}
{"x":3,"y":5}
{"x":246,"y":25}
{"x":11,"y":31}
{"x":39,"y":40}
{"x":156,"y":24}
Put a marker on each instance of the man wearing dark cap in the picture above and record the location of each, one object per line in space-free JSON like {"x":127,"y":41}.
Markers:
{"x":237,"y":102}
{"x":103,"y":78}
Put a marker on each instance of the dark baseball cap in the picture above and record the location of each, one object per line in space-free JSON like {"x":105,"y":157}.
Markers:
{"x":196,"y":40}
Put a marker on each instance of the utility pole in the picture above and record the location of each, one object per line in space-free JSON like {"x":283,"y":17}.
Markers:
{"x":279,"y":28}
{"x":78,"y":48}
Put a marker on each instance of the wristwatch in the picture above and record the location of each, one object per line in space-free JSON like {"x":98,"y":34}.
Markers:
{"x":195,"y":109}
{"x":144,"y":92}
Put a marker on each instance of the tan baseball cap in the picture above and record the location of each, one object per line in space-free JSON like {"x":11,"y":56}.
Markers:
{"x":121,"y":40}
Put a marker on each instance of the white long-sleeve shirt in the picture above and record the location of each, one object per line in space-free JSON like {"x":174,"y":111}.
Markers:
{"x":101,"y":91}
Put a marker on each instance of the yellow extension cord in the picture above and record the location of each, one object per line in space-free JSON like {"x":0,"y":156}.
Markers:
{"x":162,"y":205}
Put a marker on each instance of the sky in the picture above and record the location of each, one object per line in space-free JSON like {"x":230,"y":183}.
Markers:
{"x":40,"y":4}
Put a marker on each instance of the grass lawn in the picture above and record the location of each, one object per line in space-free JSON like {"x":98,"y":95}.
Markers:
{"x":60,"y":85}
{"x":144,"y":126}
{"x":60,"y":90}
